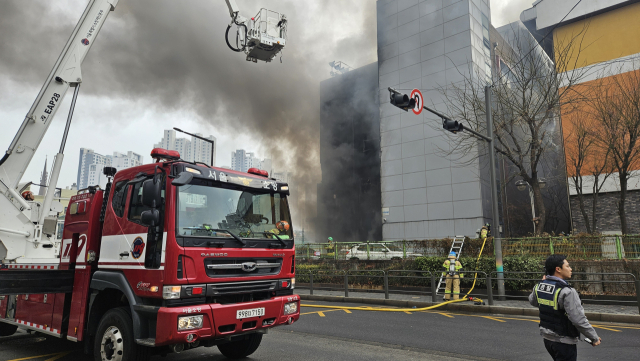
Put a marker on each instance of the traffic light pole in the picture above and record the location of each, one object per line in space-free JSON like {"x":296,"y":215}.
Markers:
{"x":403,"y":102}
{"x":497,"y":238}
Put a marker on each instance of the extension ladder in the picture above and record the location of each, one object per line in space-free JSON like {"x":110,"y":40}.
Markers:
{"x":456,"y":246}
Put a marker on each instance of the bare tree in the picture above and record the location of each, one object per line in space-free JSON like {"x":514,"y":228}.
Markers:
{"x":529,"y":91}
{"x":617,"y":112}
{"x":586,"y":158}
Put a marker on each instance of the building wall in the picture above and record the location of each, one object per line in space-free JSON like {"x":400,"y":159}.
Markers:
{"x":607,"y":212}
{"x":607,"y":36}
{"x":193,"y":150}
{"x":348,"y":206}
{"x":427,"y":45}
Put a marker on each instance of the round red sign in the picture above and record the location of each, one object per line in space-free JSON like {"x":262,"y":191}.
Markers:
{"x":417,"y":96}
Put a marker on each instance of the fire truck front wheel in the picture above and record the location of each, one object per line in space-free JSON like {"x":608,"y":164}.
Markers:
{"x":114,"y":340}
{"x":7,"y":329}
{"x":241,"y":349}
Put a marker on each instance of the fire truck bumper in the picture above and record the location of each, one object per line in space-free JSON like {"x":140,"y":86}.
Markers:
{"x":220,"y":321}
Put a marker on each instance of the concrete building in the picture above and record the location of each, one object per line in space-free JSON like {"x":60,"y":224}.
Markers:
{"x":348,"y":205}
{"x":88,"y":158}
{"x":608,"y":51}
{"x":425,"y":45}
{"x":242,"y":160}
{"x":284,"y":176}
{"x":191,"y":150}
{"x":91,"y":164}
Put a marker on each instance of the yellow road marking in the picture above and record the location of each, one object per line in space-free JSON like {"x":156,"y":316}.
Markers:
{"x":445,"y":314}
{"x":308,"y":313}
{"x":606,"y":328}
{"x":632,"y":328}
{"x":321,"y":314}
{"x":493,"y":318}
{"x":61,"y":355}
{"x":613,"y":328}
{"x":56,"y":356}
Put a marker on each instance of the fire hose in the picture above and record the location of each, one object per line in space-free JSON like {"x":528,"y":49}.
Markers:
{"x":466,"y":297}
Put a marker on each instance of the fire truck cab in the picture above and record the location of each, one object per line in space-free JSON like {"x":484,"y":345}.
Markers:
{"x":169,"y":256}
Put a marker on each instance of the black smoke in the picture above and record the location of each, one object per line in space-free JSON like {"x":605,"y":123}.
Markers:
{"x":171,"y":55}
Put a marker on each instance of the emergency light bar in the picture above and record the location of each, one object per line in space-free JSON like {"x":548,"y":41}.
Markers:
{"x":162,"y":154}
{"x":257,"y":171}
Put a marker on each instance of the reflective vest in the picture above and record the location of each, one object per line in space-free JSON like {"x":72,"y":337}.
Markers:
{"x":552,"y":317}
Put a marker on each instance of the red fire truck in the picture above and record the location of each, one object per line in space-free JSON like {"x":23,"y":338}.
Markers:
{"x":169,"y":256}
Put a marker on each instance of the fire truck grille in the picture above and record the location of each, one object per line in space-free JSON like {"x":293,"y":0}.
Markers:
{"x":242,"y":267}
{"x":234,"y":288}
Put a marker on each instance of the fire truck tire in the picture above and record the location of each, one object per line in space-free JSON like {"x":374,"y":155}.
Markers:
{"x":114,"y":339}
{"x":7,"y":329}
{"x":241,"y":349}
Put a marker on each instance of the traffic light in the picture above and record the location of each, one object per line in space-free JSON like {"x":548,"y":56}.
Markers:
{"x":452,"y":125}
{"x":402,"y":101}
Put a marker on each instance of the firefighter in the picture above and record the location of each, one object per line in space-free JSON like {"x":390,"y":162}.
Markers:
{"x":452,"y":269}
{"x":484,"y":232}
{"x":562,"y":317}
{"x":28,"y":195}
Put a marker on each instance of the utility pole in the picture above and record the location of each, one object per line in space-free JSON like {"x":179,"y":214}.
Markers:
{"x":201,"y":138}
{"x":497,"y":238}
{"x":405,"y":103}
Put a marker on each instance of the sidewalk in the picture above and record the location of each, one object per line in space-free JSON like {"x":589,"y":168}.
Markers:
{"x":606,"y":313}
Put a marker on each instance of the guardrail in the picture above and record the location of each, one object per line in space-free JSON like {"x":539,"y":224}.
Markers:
{"x":419,"y":275}
{"x":386,"y":274}
{"x":576,"y":247}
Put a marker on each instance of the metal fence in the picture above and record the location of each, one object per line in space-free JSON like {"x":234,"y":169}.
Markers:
{"x":576,"y":247}
{"x":379,"y":280}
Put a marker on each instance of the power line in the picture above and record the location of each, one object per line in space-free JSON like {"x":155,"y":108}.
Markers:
{"x":541,"y":41}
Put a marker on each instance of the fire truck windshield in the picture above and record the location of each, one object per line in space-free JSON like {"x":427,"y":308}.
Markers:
{"x":206,"y":211}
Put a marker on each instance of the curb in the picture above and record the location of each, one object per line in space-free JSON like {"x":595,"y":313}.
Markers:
{"x":502,"y":310}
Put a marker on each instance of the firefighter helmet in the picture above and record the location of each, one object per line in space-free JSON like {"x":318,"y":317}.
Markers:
{"x":282,"y":226}
{"x":28,"y":195}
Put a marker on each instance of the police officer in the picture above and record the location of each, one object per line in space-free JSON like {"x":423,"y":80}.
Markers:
{"x":562,"y":317}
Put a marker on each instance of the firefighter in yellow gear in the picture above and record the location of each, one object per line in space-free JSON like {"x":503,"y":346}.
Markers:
{"x":452,"y":269}
{"x":484,"y":232}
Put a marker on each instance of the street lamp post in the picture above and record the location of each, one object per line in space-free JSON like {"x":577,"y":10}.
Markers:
{"x":199,"y":137}
{"x":522,"y":185}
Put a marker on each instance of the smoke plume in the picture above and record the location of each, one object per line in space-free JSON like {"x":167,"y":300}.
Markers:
{"x":171,"y":55}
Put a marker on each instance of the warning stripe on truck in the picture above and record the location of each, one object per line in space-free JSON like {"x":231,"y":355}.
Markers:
{"x":32,"y":266}
{"x":35,"y":325}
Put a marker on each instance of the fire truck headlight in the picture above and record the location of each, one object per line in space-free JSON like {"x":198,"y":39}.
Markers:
{"x":293,"y":283}
{"x":171,"y":292}
{"x":290,"y":308}
{"x":189,"y":323}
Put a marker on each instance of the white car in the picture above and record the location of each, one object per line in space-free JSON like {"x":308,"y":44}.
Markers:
{"x":378,"y":251}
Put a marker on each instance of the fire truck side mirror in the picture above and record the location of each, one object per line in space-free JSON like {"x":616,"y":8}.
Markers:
{"x":152,"y":193}
{"x":150,"y":218}
{"x":182,"y":179}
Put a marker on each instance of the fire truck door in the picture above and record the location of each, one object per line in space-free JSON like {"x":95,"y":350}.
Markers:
{"x":11,"y":307}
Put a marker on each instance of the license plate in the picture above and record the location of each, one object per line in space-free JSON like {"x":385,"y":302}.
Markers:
{"x":254,"y":312}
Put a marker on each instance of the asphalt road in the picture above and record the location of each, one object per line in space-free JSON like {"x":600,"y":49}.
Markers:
{"x":332,"y":334}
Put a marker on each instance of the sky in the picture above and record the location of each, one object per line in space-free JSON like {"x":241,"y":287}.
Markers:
{"x":159,"y":64}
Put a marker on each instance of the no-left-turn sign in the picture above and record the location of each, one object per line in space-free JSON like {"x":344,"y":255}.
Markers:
{"x":417,"y":96}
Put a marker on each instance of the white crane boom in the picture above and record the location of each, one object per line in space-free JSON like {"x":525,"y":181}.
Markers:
{"x":23,"y":222}
{"x":16,"y":217}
